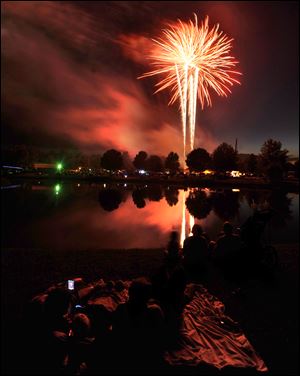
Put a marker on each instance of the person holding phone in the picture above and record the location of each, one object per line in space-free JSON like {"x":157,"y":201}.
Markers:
{"x":51,"y":342}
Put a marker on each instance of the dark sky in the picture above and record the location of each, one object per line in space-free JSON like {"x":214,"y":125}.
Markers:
{"x":69,"y":75}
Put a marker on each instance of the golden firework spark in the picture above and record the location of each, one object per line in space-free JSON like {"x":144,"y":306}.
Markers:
{"x":194,"y":60}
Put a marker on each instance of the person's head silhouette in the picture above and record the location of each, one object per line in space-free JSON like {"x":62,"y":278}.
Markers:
{"x":58,"y":303}
{"x":197,"y":230}
{"x":228,"y":228}
{"x":174,"y":236}
{"x":139,"y":291}
{"x":81,"y":325}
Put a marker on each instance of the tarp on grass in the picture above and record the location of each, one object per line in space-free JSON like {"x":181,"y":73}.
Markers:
{"x":207,"y":336}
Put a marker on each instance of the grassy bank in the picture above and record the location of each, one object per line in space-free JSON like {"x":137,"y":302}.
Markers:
{"x":267,"y":310}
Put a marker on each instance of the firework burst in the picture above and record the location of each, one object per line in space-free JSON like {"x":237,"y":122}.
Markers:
{"x":194,"y":60}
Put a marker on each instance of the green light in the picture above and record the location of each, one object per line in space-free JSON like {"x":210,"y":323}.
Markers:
{"x":59,"y":166}
{"x":57,"y":189}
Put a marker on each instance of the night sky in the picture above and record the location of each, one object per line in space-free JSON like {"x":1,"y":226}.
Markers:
{"x":69,"y":76}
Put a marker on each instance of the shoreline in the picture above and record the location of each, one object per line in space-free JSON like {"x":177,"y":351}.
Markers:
{"x":291,"y":186}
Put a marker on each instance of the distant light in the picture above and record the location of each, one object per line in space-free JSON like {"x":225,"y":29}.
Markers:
{"x":235,"y":190}
{"x":207,"y":172}
{"x":104,"y":185}
{"x":125,"y":185}
{"x":142,"y":172}
{"x":125,"y":176}
{"x":57,"y":189}
{"x":90,"y":169}
{"x":14,"y":167}
{"x":79,"y":168}
{"x":59,"y":166}
{"x":78,"y":185}
{"x":11,"y":186}
{"x":235,"y":174}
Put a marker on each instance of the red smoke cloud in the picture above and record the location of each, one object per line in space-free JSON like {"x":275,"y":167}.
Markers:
{"x":60,"y":91}
{"x":136,"y":47}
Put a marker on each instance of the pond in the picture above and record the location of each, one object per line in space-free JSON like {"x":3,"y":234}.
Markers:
{"x":80,"y":215}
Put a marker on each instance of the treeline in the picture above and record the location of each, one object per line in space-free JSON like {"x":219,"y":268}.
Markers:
{"x":272,"y":160}
{"x":225,"y":203}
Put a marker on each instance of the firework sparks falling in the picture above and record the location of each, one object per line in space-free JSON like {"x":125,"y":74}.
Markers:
{"x":194,"y":60}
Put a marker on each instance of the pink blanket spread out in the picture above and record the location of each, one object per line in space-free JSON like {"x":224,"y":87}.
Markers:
{"x":207,"y":335}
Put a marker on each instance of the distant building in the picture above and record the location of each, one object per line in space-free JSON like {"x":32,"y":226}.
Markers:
{"x":42,"y":166}
{"x":10,"y":169}
{"x":45,"y":168}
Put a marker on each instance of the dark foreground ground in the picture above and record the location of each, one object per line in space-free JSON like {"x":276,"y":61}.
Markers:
{"x":267,"y":308}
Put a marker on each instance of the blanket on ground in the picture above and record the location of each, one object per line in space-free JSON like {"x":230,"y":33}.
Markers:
{"x":207,"y":336}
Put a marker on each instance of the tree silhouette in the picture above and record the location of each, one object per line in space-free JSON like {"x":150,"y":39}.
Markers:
{"x":172,"y":162}
{"x":273,"y":160}
{"x":251,"y":164}
{"x":171,"y":195}
{"x":154,"y":163}
{"x":224,"y":158}
{"x":254,"y":197}
{"x":280,"y":205}
{"x":226,"y":204}
{"x":112,"y":160}
{"x":140,"y":160}
{"x":154,"y":192}
{"x":138,"y":197}
{"x":198,"y":204}
{"x":198,"y":160}
{"x":110,"y":199}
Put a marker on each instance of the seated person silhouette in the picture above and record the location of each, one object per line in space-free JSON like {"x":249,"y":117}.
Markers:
{"x":228,"y":250}
{"x":54,"y":335}
{"x":80,"y":341}
{"x":138,"y":329}
{"x":195,"y":252}
{"x":251,"y":234}
{"x":169,"y":281}
{"x":173,"y":248}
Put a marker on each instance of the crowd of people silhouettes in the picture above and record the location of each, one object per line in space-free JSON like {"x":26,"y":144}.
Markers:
{"x":71,"y":339}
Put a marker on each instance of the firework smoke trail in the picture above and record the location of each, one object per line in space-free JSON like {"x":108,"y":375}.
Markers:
{"x":182,"y":107}
{"x":194,"y":60}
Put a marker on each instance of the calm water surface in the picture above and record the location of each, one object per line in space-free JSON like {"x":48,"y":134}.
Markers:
{"x":93,"y":216}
